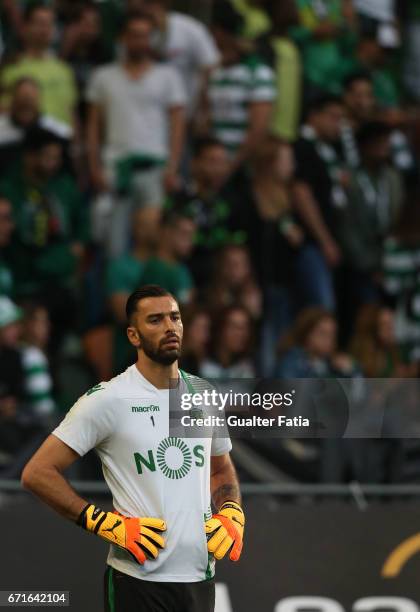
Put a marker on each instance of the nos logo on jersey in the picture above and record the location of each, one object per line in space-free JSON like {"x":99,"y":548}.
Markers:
{"x":173,"y":457}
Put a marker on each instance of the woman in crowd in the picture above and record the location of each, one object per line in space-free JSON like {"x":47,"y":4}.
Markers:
{"x":196,"y":339}
{"x":231,"y":345}
{"x":374,"y":344}
{"x":273,"y":238}
{"x":310,"y":349}
{"x":233,"y":282}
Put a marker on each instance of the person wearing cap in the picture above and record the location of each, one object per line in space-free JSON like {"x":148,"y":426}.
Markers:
{"x":22,"y":425}
{"x":51,"y":227}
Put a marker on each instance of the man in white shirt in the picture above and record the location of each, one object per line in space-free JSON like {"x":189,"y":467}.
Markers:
{"x":186,"y":44}
{"x":162,"y":486}
{"x":140,"y":106}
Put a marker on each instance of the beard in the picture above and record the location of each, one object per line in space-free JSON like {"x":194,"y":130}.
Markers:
{"x":159,"y":354}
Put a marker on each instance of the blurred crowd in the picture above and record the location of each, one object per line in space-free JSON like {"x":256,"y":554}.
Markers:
{"x":262,"y":164}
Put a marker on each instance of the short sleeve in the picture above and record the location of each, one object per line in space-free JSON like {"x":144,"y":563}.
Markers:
{"x":203,"y":47}
{"x":89,"y":422}
{"x":95,"y":88}
{"x":175,"y":90}
{"x":263,"y":84}
{"x":220,"y":446}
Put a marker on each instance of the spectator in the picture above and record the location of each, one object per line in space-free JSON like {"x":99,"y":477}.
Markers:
{"x":401,"y":280}
{"x":21,"y":430}
{"x":82,"y":47}
{"x":283,"y":55}
{"x":54,"y":77}
{"x":319,"y":188}
{"x":214,"y":204}
{"x":38,"y":380}
{"x":6,"y":229}
{"x":360,"y":107}
{"x":196,"y":339}
{"x":310,"y":349}
{"x":25,"y":114}
{"x":372,"y":54}
{"x":374,"y":344}
{"x":274,"y":239}
{"x":12,"y":384}
{"x":233,"y":282}
{"x":231,"y":346}
{"x":166,"y":267}
{"x":326,"y":35}
{"x":241,"y":91}
{"x":374,"y":201}
{"x":51,"y":228}
{"x":185,"y":44}
{"x":123,"y":277}
{"x":141,"y":105}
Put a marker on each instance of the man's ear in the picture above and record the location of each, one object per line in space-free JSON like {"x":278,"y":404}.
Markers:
{"x":133,"y":337}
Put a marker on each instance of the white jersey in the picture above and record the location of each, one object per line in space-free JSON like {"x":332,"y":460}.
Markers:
{"x":148,"y":472}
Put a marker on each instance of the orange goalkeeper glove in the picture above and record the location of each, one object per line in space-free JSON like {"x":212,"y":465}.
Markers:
{"x":225,"y":531}
{"x":138,"y":536}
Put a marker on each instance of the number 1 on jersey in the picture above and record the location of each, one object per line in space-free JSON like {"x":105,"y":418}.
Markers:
{"x":152,"y":418}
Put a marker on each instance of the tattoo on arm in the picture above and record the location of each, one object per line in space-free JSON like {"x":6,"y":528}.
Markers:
{"x":225,"y":492}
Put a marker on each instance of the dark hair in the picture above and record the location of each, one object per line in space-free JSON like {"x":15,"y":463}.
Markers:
{"x":320,"y":103}
{"x":32,"y":8}
{"x":142,"y":293}
{"x":207,"y":142}
{"x":171,"y":217}
{"x":25,"y":80}
{"x":355,"y":77}
{"x":135,"y":16}
{"x":227,"y":18}
{"x":372,"y":131}
{"x":36,"y":138}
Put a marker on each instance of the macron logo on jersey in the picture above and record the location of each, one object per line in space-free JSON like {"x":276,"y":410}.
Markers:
{"x":151,"y":408}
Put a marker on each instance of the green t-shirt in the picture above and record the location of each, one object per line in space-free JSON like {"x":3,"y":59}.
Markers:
{"x":174,"y":277}
{"x":48,"y":220}
{"x":323,"y":59}
{"x":56,"y":80}
{"x":124,"y":274}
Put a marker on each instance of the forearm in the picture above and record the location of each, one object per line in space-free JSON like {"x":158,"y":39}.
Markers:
{"x":308,"y":211}
{"x":224,"y":486}
{"x":177,"y":138}
{"x":50,"y":486}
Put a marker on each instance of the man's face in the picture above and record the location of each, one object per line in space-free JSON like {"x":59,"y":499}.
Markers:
{"x":360,"y":100}
{"x":211,"y":167}
{"x":39,"y":30}
{"x":49,"y":160}
{"x":137,"y":39}
{"x":6,"y":223}
{"x":378,"y":151}
{"x":328,"y":122}
{"x":25,"y":104}
{"x":156,"y":329}
{"x":182,"y":237}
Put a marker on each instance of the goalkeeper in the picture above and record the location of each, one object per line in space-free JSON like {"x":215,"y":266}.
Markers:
{"x":164,"y":538}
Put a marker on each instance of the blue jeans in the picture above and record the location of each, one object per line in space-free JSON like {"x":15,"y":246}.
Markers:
{"x":314,"y":279}
{"x":277,"y":318}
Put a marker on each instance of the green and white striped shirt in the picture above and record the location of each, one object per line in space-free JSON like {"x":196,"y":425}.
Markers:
{"x":401,"y":278}
{"x":232,"y":90}
{"x":38,"y":382}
